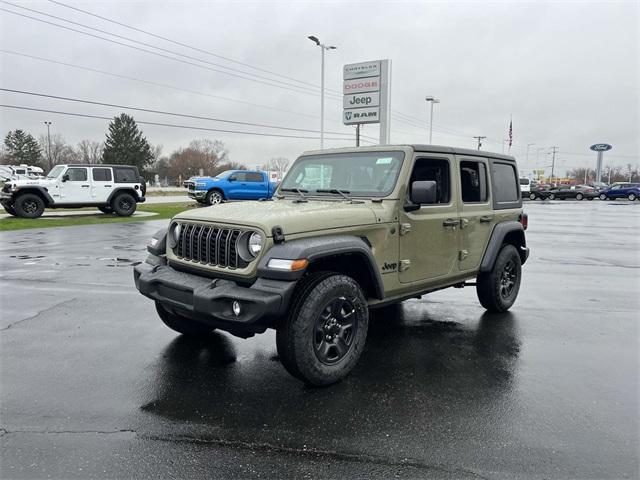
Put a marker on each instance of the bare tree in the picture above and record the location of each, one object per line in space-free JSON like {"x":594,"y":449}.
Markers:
{"x":90,"y":151}
{"x":201,"y":155}
{"x":61,"y":152}
{"x":277,"y":164}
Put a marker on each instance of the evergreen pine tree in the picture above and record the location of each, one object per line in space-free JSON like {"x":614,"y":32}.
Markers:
{"x":125,"y":144}
{"x":22,"y":147}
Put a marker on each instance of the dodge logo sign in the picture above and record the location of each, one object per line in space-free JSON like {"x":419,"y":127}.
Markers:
{"x":601,"y":147}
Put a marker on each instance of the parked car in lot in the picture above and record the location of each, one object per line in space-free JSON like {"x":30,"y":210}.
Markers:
{"x":621,"y":190}
{"x":537,"y":191}
{"x":111,"y":188}
{"x":525,"y":186}
{"x":231,"y":185}
{"x":349,"y":230}
{"x":579,"y":192}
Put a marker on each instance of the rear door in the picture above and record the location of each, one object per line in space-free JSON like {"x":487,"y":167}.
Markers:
{"x":101,"y":184}
{"x":477,"y":218}
{"x":429,"y":235}
{"x":256,"y":185}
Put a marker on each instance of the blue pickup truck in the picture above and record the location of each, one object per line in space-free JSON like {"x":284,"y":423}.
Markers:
{"x":231,"y":185}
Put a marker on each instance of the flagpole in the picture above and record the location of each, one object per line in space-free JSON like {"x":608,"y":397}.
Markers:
{"x":510,"y":132}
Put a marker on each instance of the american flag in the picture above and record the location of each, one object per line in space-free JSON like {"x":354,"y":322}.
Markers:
{"x":510,"y":133}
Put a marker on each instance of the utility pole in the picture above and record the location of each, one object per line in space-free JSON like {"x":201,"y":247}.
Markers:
{"x":48,"y":124}
{"x":553,"y":161}
{"x":480,"y":138}
{"x":323,"y":48}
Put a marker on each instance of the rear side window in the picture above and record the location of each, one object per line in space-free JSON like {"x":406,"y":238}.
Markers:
{"x":436,"y":170}
{"x":77,"y":174}
{"x":125,"y":175}
{"x":101,"y":174}
{"x":473,"y":182}
{"x":505,"y":183}
{"x":254,"y":177}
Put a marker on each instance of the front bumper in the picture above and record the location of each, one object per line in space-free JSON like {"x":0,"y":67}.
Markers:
{"x":5,"y":197}
{"x":197,"y":194}
{"x":210,"y":300}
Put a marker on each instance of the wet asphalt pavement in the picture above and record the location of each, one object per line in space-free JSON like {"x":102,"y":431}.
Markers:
{"x":93,"y":385}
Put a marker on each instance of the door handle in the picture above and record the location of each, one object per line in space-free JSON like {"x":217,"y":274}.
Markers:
{"x":486,"y":219}
{"x":85,"y":186}
{"x":107,"y":186}
{"x":450,"y":222}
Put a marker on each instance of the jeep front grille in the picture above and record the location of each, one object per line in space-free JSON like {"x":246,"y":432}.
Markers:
{"x":209,"y":245}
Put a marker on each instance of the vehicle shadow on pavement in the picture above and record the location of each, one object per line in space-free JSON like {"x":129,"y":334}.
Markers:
{"x":417,"y":373}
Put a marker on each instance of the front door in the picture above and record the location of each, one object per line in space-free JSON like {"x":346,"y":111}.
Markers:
{"x":429,"y":235}
{"x":237,"y":186}
{"x":476,"y":214}
{"x":74,"y":186}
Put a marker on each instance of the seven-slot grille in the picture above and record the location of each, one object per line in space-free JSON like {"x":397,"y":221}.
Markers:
{"x":210,"y":245}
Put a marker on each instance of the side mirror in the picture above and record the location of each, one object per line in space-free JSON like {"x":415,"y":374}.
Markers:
{"x":424,"y":192}
{"x":65,"y":177}
{"x":231,"y":179}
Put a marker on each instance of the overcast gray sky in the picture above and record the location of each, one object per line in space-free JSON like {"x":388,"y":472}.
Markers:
{"x":568,"y":72}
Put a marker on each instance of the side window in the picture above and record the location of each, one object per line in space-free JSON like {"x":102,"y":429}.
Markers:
{"x":254,"y":177}
{"x":101,"y":174}
{"x":436,"y":170}
{"x":239,"y":177}
{"x":505,"y":182}
{"x":125,"y":175}
{"x":77,"y":174}
{"x":473,"y":182}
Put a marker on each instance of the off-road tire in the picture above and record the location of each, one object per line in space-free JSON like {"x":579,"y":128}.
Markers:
{"x":29,"y":205}
{"x":602,"y":196}
{"x":551,"y":197}
{"x":124,"y":205}
{"x":10,"y":210}
{"x":214,"y":197}
{"x":108,"y":210}
{"x":579,"y":196}
{"x":532,"y":196}
{"x":181,"y":324}
{"x":320,"y":298}
{"x":493,"y":288}
{"x":632,"y":197}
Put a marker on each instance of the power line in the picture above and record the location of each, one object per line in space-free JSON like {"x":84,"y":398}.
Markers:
{"x":188,"y":127}
{"x":161,"y":112}
{"x":175,"y":42}
{"x":306,"y":92}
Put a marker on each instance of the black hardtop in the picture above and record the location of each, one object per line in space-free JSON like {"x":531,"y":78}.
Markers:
{"x":460,"y":151}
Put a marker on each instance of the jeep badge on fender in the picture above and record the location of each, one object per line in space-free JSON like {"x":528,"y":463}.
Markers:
{"x":358,"y":228}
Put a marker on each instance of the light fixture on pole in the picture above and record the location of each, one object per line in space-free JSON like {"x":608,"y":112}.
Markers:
{"x":48,"y":124}
{"x":323,"y":48}
{"x":431,"y":100}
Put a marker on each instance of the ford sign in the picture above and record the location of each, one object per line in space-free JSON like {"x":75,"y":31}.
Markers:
{"x":601,"y":147}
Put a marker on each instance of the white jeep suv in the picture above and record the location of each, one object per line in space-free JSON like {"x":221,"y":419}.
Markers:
{"x":111,"y":188}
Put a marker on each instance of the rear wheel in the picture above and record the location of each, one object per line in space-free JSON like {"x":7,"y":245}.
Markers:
{"x":579,"y":196}
{"x":497,"y":290}
{"x":552,"y":197}
{"x":632,"y":197}
{"x":106,"y":209}
{"x":532,"y":196}
{"x":181,"y":324}
{"x":324,"y":334}
{"x":602,"y":196}
{"x":29,"y":205}
{"x":124,"y":205}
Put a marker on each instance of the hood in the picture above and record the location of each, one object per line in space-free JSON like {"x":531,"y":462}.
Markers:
{"x":42,"y":182}
{"x":292,"y":217}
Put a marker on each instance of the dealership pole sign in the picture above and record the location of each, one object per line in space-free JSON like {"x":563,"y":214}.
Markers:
{"x":367,"y":95}
{"x":600,"y":148}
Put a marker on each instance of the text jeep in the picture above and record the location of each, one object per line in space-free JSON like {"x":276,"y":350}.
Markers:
{"x":348,"y":230}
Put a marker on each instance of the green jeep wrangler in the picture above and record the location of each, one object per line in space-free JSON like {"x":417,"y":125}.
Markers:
{"x":348,"y":230}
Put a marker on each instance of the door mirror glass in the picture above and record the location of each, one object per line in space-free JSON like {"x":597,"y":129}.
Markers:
{"x":232,"y":179}
{"x":65,"y":177}
{"x":424,"y":192}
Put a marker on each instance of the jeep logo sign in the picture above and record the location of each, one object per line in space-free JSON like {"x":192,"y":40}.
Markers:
{"x":601,"y":147}
{"x":371,"y":99}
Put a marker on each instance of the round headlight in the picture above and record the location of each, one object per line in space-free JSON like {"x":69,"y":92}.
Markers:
{"x":255,"y":244}
{"x":174,"y":234}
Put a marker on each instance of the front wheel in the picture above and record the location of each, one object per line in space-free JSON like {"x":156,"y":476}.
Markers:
{"x":324,"y":334}
{"x":497,"y":290}
{"x":552,"y":197}
{"x":214,"y":197}
{"x":632,"y":197}
{"x":532,"y":196}
{"x":602,"y":196}
{"x":579,"y":196}
{"x":124,"y":205}
{"x":181,"y":324}
{"x":29,"y":205}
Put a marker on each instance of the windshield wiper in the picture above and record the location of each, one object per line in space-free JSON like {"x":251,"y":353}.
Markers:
{"x":336,"y":190}
{"x":299,"y":191}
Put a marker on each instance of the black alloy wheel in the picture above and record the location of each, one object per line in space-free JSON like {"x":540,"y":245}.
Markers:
{"x":335,"y":330}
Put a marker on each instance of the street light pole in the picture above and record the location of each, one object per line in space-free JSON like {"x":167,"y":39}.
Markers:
{"x":430,"y":99}
{"x":323,"y":47}
{"x":528,"y":145}
{"x":48,"y":124}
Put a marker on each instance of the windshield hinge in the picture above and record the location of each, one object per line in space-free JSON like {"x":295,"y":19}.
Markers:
{"x":405,"y":228}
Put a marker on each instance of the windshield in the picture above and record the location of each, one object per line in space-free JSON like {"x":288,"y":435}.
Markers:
{"x":55,"y":171}
{"x":370,"y":174}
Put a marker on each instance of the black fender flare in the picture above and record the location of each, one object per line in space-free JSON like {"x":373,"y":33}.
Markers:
{"x":38,"y":191}
{"x":316,"y":248}
{"x":121,"y":190}
{"x":500,"y":232}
